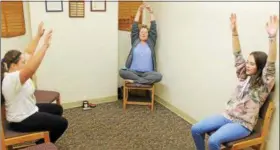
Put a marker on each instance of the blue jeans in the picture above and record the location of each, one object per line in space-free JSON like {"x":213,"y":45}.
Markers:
{"x":226,"y":131}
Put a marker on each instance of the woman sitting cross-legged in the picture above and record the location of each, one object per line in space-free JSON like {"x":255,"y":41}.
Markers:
{"x":22,"y":112}
{"x":256,"y":80}
{"x":141,"y":62}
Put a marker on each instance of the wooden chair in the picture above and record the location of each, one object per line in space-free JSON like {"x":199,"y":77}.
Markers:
{"x":43,"y":96}
{"x":12,"y":137}
{"x":131,"y":86}
{"x":258,"y":137}
{"x":47,"y":145}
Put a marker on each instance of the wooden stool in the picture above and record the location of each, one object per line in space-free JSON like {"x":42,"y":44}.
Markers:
{"x":132,"y":86}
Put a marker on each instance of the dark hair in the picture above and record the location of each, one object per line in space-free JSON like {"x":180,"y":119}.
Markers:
{"x":11,"y":57}
{"x":260,"y":60}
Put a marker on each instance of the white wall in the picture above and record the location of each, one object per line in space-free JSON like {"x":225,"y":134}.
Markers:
{"x":194,"y":53}
{"x":19,"y":42}
{"x":123,"y":50}
{"x":81,"y":61}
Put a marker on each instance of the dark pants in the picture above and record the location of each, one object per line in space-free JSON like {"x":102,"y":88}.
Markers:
{"x":49,"y":118}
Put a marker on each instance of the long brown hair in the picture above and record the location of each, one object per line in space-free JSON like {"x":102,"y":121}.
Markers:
{"x":11,"y":57}
{"x":260,"y":60}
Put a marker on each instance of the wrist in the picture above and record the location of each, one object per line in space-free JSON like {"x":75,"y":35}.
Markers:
{"x":272,"y":36}
{"x":272,"y":39}
{"x":234,"y":33}
{"x":45,"y":46}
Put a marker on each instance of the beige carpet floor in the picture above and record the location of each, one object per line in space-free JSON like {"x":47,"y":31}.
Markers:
{"x":107,"y":127}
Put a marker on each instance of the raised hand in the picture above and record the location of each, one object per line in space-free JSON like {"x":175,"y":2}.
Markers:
{"x":148,"y":7}
{"x":272,"y":26}
{"x":47,"y":39}
{"x":141,"y":7}
{"x":41,"y":30}
{"x":233,"y":22}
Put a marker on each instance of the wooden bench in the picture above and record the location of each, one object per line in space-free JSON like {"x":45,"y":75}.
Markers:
{"x":132,"y":86}
{"x":257,"y":138}
{"x":11,"y":137}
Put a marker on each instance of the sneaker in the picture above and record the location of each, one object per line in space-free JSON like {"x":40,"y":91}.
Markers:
{"x":86,"y":105}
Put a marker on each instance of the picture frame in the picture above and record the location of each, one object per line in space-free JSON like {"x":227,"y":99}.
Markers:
{"x":98,"y":6}
{"x":77,"y":9}
{"x":54,"y":5}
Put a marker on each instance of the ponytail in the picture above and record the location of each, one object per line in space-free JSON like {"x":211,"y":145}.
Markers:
{"x":3,"y":70}
{"x":12,"y":56}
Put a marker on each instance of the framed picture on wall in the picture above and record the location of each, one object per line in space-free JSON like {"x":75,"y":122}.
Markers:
{"x":54,"y":5}
{"x":77,"y":9}
{"x":98,"y":5}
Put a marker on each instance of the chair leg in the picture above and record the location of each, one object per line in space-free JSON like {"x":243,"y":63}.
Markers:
{"x":10,"y":147}
{"x":47,"y":137}
{"x":153,"y":98}
{"x":58,"y":101}
{"x":124,"y":97}
{"x":262,"y":146}
{"x":256,"y":147}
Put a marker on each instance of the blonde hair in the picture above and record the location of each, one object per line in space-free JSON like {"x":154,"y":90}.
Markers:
{"x":143,"y":26}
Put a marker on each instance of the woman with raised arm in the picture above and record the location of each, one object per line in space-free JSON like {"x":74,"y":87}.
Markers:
{"x":256,"y":79}
{"x":22,"y":112}
{"x":140,"y":67}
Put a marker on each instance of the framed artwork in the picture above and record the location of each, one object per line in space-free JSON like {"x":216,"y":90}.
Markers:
{"x":77,"y":9}
{"x":54,"y":5}
{"x":98,"y":5}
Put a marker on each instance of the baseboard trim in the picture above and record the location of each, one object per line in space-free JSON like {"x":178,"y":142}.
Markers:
{"x":115,"y":98}
{"x":175,"y":110}
{"x":95,"y":101}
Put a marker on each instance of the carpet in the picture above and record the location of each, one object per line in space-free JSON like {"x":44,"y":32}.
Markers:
{"x":108,"y":127}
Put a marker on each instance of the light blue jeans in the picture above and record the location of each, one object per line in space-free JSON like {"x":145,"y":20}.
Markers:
{"x":227,"y":131}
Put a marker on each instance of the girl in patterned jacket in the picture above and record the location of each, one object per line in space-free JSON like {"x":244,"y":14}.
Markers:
{"x":256,"y":78}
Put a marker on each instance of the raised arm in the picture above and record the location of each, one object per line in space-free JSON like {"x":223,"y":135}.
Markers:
{"x":35,"y":61}
{"x":135,"y":29}
{"x":32,"y":46}
{"x":34,"y":43}
{"x":240,"y":62}
{"x":268,"y":75}
{"x":153,"y":27}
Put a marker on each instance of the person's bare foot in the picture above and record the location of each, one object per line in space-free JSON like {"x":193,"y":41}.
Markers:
{"x":129,"y":81}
